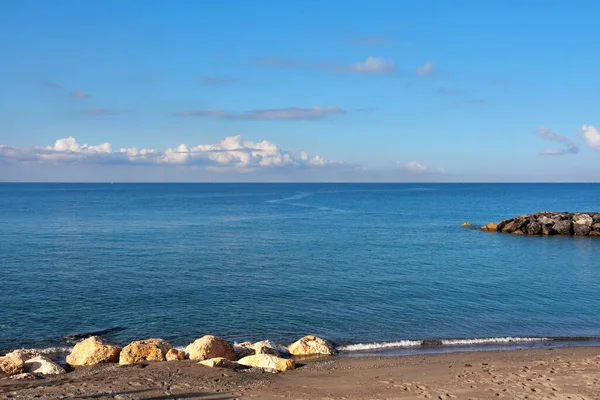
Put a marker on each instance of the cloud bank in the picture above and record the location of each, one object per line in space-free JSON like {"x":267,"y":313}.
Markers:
{"x":230,"y":154}
{"x":289,"y":113}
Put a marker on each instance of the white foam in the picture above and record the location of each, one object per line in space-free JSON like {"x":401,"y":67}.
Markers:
{"x":381,"y":345}
{"x":458,"y":342}
{"x":444,"y":342}
{"x":48,"y":350}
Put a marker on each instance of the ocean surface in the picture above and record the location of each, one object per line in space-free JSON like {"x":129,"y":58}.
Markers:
{"x":368,"y":266}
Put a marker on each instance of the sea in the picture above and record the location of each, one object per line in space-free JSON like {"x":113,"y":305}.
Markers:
{"x":377,"y":269}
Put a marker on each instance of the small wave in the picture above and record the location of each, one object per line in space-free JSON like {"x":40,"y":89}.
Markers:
{"x":295,"y":197}
{"x":383,"y":345}
{"x":459,"y":342}
{"x":401,"y":344}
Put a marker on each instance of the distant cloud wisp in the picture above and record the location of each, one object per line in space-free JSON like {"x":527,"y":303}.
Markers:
{"x":230,"y":154}
{"x":371,"y":66}
{"x":290,"y":113}
{"x":98,"y":111}
{"x":414,"y":167}
{"x":217,"y":80}
{"x":78,"y":94}
{"x":571,"y":146}
{"x":425,"y":69}
{"x":371,"y":40}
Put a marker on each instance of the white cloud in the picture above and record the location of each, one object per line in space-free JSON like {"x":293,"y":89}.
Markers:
{"x":416,"y":168}
{"x":591,"y":135}
{"x":231,"y":153}
{"x":373,"y":65}
{"x":425,"y":69}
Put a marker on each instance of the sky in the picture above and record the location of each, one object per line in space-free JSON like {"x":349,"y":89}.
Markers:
{"x":266,"y":90}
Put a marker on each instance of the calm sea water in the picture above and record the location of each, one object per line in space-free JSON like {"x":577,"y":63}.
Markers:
{"x":355,"y":263}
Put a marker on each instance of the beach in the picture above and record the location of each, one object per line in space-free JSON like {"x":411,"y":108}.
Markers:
{"x":554,"y":373}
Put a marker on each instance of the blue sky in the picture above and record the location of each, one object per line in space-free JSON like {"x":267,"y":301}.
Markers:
{"x":299,"y":90}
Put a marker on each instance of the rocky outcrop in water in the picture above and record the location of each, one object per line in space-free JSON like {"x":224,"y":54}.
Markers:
{"x":311,"y":345}
{"x":550,"y":223}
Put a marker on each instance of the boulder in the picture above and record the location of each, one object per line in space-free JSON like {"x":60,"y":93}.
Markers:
{"x":518,"y":232}
{"x":534,"y":228}
{"x":491,"y":227}
{"x":44,"y":366}
{"x":310,"y":345}
{"x":596,"y":226}
{"x":581,"y":229}
{"x":268,"y":361}
{"x":92,"y":351}
{"x":13,"y":363}
{"x":219,"y":362}
{"x":174,"y":355}
{"x":596,"y":218}
{"x":563,"y":227}
{"x":595,"y":233}
{"x":144,"y":350}
{"x":467,"y":224}
{"x":244,"y":349}
{"x":208,"y":347}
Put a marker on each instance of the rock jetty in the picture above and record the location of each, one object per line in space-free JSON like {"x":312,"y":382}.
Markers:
{"x":211,"y":351}
{"x":550,"y":223}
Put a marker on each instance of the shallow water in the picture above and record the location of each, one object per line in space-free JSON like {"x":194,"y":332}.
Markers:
{"x":355,"y":263}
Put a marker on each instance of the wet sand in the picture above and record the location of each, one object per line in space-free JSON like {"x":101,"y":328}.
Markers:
{"x":561,"y":373}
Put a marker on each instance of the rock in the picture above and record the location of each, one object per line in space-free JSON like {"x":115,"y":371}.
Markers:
{"x":583,"y":219}
{"x":144,"y":350}
{"x":92,"y":351}
{"x":596,"y":218}
{"x":310,"y":345}
{"x":534,"y":228}
{"x":26,"y":376}
{"x":174,"y":355}
{"x":563,"y":227}
{"x":595,"y":233}
{"x":467,"y":224}
{"x":268,"y":361}
{"x":244,"y":349}
{"x":44,"y":366}
{"x":13,"y":363}
{"x":491,"y":227}
{"x":581,"y":229}
{"x":596,"y":226}
{"x":265,"y":347}
{"x":219,"y":362}
{"x":518,"y":232}
{"x":208,"y":347}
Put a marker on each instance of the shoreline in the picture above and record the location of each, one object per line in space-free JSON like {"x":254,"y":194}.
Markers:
{"x":535,"y":373}
{"x":395,"y":348}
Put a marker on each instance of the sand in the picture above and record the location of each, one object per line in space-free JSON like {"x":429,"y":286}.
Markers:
{"x":563,"y":373}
